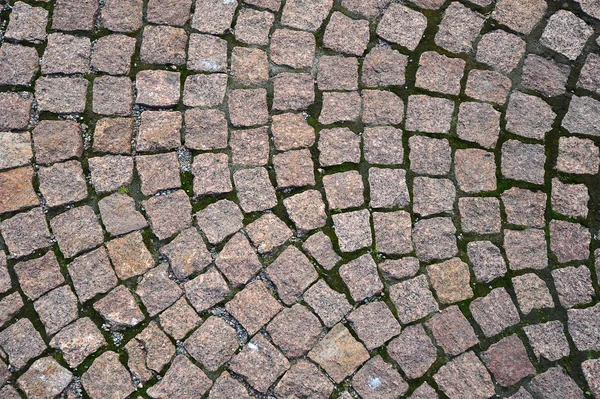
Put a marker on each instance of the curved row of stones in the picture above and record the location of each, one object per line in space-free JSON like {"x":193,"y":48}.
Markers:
{"x":299,"y":199}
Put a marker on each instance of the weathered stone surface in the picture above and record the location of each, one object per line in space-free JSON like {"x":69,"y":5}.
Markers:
{"x":129,"y":255}
{"x":219,"y":220}
{"x":459,"y":28}
{"x":507,"y":360}
{"x":569,"y":241}
{"x":393,"y":232}
{"x":19,"y":63}
{"x":21,"y":343}
{"x":526,"y":249}
{"x":157,"y":291}
{"x":157,"y":88}
{"x":383,"y":66}
{"x":170,"y":12}
{"x":431,"y":196}
{"x":582,"y":116}
{"x":487,"y":86}
{"x":335,"y":72}
{"x":72,"y":15}
{"x":383,"y":145}
{"x":291,"y":131}
{"x":548,"y":340}
{"x":435,"y":238}
{"x":25,"y":232}
{"x":158,"y":172}
{"x":77,"y":230}
{"x":249,"y":66}
{"x":439,"y":73}
{"x":119,"y":214}
{"x":478,"y":123}
{"x":524,"y":162}
{"x":500,"y":50}
{"x":381,"y":107}
{"x":479,"y":215}
{"x":112,"y":54}
{"x":61,"y":95}
{"x":253,"y":26}
{"x":304,"y":379}
{"x":520,"y":16}
{"x":226,"y":386}
{"x":574,"y":285}
{"x":429,"y":114}
{"x":214,"y":16}
{"x":45,"y":378}
{"x":122,"y":16}
{"x":378,"y":379}
{"x":413,"y":351}
{"x":532,"y":293}
{"x":319,"y":246}
{"x":62,"y":183}
{"x":344,"y":190}
{"x":113,"y":135}
{"x":291,"y":273}
{"x":78,"y":340}
{"x":353,"y":230}
{"x":27,"y":23}
{"x":494,"y":312}
{"x":337,"y":146}
{"x":429,"y":156}
{"x":254,"y":306}
{"x":398,"y":269}
{"x":56,"y":309}
{"x":306,"y":16}
{"x":577,"y":156}
{"x":213,"y":343}
{"x":149,"y":352}
{"x":206,"y":290}
{"x":169,"y":214}
{"x":413,"y":299}
{"x":329,"y":305}
{"x":450,"y":280}
{"x":248,"y":107}
{"x":179,"y":319}
{"x":361,"y":277}
{"x":267,"y":233}
{"x":465,"y":375}
{"x":255,"y":190}
{"x":566,"y":34}
{"x":374,"y":324}
{"x":346,"y":35}
{"x":475,"y":170}
{"x":570,"y":199}
{"x":583,"y":327}
{"x":295,"y":330}
{"x":92,"y":274}
{"x":555,"y":383}
{"x":119,"y":308}
{"x":524,"y":207}
{"x":238,"y":260}
{"x":452,"y":331}
{"x":204,"y":90}
{"x":183,"y":379}
{"x":402,"y":25}
{"x":15,"y":150}
{"x":66,"y":54}
{"x":15,"y":110}
{"x":544,"y":76}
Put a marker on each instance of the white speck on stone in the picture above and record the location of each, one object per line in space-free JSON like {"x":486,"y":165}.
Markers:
{"x":252,"y":346}
{"x":374,"y":383}
{"x":226,"y":2}
{"x":210,"y":65}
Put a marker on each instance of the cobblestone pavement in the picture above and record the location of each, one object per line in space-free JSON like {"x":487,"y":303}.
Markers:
{"x":299,"y":199}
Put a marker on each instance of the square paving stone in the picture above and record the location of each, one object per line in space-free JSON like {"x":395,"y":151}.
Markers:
{"x":25,"y":232}
{"x":544,"y":76}
{"x":429,"y":114}
{"x":336,"y":72}
{"x":439,"y":73}
{"x":295,"y":330}
{"x":254,"y":306}
{"x":339,"y":353}
{"x":71,"y":15}
{"x":19,"y":64}
{"x":158,"y":172}
{"x":383,"y":66}
{"x":391,"y":384}
{"x":507,"y":360}
{"x":346,"y":35}
{"x":555,"y":383}
{"x":574,"y":285}
{"x":475,"y":170}
{"x":382,"y":107}
{"x":459,"y":28}
{"x":248,"y":107}
{"x":452,"y":331}
{"x":399,"y":269}
{"x":250,"y":147}
{"x":119,"y":309}
{"x":253,"y":26}
{"x":113,"y":135}
{"x":577,"y":156}
{"x":337,"y":146}
{"x":78,"y":340}
{"x":62,"y":183}
{"x":206,"y":290}
{"x":157,"y":291}
{"x":119,"y":214}
{"x":570,"y":199}
{"x":187,"y":253}
{"x":213,"y":16}
{"x":566,"y":34}
{"x":526,"y":249}
{"x":402,"y":25}
{"x":5,"y":279}
{"x":182,"y":378}
{"x":293,"y":91}
{"x":383,"y":145}
{"x":569,"y":241}
{"x":15,"y":110}
{"x":170,"y":12}
{"x":435,"y":238}
{"x":393,"y":232}
{"x":291,"y":131}
{"x":532,"y":293}
{"x":112,"y":54}
{"x":56,"y":309}
{"x":61,"y":95}
{"x":220,"y":220}
{"x":413,"y":299}
{"x":305,"y":16}
{"x":294,"y":168}
{"x":268,"y":232}
{"x":450,"y":280}
{"x":303,"y":377}
{"x":163,"y":45}
{"x":40,"y":275}
{"x":213,"y":343}
{"x":413,"y":351}
{"x":429,"y":156}
{"x":548,"y":340}
{"x":27,"y":23}
{"x":353,"y":230}
{"x":361,"y":277}
{"x":500,"y":50}
{"x":307,"y":210}
{"x":249,"y":66}
{"x":15,"y":149}
{"x":157,"y":88}
{"x":77,"y":230}
{"x":129,"y":255}
{"x":206,"y":53}
{"x":331,"y":306}
{"x":529,"y":116}
{"x":465,"y":375}
{"x":107,"y":377}
{"x":260,"y":363}
{"x":21,"y":343}
{"x":66,"y":54}
{"x":10,"y":305}
{"x":583,"y":111}
{"x":169,"y":214}
{"x":486,"y":260}
{"x":340,"y":107}
{"x":494,"y":312}
{"x":374,"y":324}
{"x":254,"y":189}
{"x":366,"y":8}
{"x":150,"y":351}
{"x":590,"y":372}
{"x":478,"y":123}
{"x":122,"y":16}
{"x":55,"y":141}
{"x":112,"y":95}
{"x":211,"y":174}
{"x":238,"y":260}
{"x":524,"y":207}
{"x":520,"y":16}
{"x":588,"y":78}
{"x":179,"y":319}
{"x":319,"y":246}
{"x":292,"y":273}
{"x":583,"y":327}
{"x":110,"y":172}
{"x":204,"y":90}
{"x":344,"y":190}
{"x":205,"y":129}
{"x":431,"y":196}
{"x":479,"y":215}
{"x":92,"y":274}
{"x":487,"y":86}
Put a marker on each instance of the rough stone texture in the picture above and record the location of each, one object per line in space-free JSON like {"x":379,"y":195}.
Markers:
{"x":66,"y":54}
{"x":413,"y":351}
{"x":77,"y":230}
{"x":574,"y":285}
{"x":250,"y":66}
{"x":267,"y":233}
{"x":157,"y":291}
{"x":92,"y":274}
{"x":383,"y":66}
{"x":78,"y":340}
{"x":213,"y":343}
{"x":475,"y":170}
{"x":507,"y":360}
{"x":429,"y":114}
{"x":346,"y":35}
{"x":494,"y":312}
{"x":206,"y":290}
{"x":577,"y":156}
{"x":179,"y":319}
{"x":500,"y":50}
{"x":329,"y":305}
{"x":295,"y":330}
{"x":465,"y":375}
{"x":353,"y":230}
{"x":524,"y":162}
{"x":25,"y":233}
{"x":62,"y":183}
{"x":119,"y":309}
{"x":21,"y":343}
{"x":479,"y":215}
{"x":305,"y":16}
{"x":583,"y":326}
{"x":56,"y":309}
{"x":439,"y":73}
{"x":214,"y":16}
{"x":590,"y":372}
{"x":532,"y":293}
{"x":402,"y":25}
{"x":183,"y":379}
{"x":169,"y":214}
{"x":61,"y":95}
{"x":429,"y":156}
{"x":521,"y":16}
{"x":555,"y":383}
{"x":113,"y":135}
{"x":248,"y":107}
{"x":112,"y":54}
{"x":459,"y":28}
{"x":15,"y":110}
{"x":526,"y":249}
{"x":158,"y":172}
{"x":487,"y":86}
{"x":27,"y":23}
{"x":291,"y":131}
{"x":20,"y":64}
{"x":238,"y":260}
{"x":360,"y":275}
{"x":119,"y":214}
{"x":129,"y":255}
{"x":582,"y":116}
{"x":566,"y":34}
{"x":544,"y":76}
{"x":548,"y":340}
{"x":45,"y":378}
{"x":374,"y":324}
{"x":110,"y":172}
{"x":569,"y":241}
{"x":478,"y":123}
{"x":450,"y":280}
{"x":524,"y":207}
{"x":435,"y":238}
{"x":335,"y":72}
{"x":292,"y":91}
{"x":303,"y":379}
{"x":378,"y":379}
{"x":452,"y":331}
{"x":157,"y":88}
{"x":388,"y":188}
{"x":393,"y":232}
{"x":204,"y":90}
{"x":413,"y":299}
{"x":70,"y":15}
{"x":570,"y":199}
{"x":15,"y":150}
{"x":254,"y":306}
{"x":338,"y":146}
{"x":292,"y":273}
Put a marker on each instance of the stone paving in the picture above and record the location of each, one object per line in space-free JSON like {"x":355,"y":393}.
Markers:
{"x":299,"y":199}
